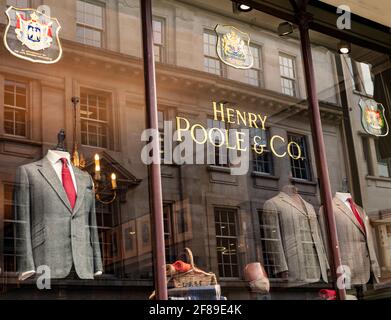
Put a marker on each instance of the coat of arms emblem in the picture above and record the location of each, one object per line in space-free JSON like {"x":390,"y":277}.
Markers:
{"x":233,"y":47}
{"x":373,"y":118}
{"x":32,"y":35}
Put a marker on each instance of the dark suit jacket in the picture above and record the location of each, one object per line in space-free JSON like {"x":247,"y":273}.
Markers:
{"x":51,"y":233}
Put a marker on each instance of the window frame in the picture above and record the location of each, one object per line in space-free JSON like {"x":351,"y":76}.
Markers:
{"x":210,"y":32}
{"x":217,"y":150}
{"x":381,"y":162}
{"x":259,"y":70}
{"x":234,"y":211}
{"x":91,"y":27}
{"x":27,"y":110}
{"x":15,"y":222}
{"x":266,"y":152}
{"x":109,"y":115}
{"x":163,"y":46}
{"x":306,"y":153}
{"x":294,"y":80}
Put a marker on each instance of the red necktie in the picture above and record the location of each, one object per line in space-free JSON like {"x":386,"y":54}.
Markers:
{"x":67,"y":182}
{"x":356,"y":213}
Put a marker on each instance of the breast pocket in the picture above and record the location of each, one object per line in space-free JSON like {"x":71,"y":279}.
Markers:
{"x":38,"y":238}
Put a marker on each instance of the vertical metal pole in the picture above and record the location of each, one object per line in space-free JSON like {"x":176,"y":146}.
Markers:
{"x":319,"y":146}
{"x":154,"y":168}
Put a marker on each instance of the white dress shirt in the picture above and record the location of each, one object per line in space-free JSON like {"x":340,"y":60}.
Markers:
{"x":344,"y":198}
{"x":55,"y":156}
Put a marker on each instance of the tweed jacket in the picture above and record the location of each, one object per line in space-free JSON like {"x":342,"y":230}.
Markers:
{"x":296,"y":244}
{"x":357,"y":248}
{"x":52,"y":233}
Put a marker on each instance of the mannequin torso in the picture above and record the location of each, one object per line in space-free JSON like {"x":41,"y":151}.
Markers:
{"x":293,"y":193}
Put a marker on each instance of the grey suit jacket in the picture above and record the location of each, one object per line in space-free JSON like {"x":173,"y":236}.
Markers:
{"x":295,"y":243}
{"x":51,"y":233}
{"x":356,"y":247}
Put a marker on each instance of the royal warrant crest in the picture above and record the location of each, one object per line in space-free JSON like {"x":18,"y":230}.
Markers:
{"x":233,"y":47}
{"x":373,"y":117}
{"x":32,"y":35}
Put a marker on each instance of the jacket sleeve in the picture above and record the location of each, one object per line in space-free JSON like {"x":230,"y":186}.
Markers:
{"x":25,"y":260}
{"x":272,"y":232}
{"x":323,"y":231}
{"x":98,"y":267}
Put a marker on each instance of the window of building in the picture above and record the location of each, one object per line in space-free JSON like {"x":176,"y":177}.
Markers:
{"x":254,"y":76}
{"x":301,"y":168}
{"x":159,"y":39}
{"x":107,"y":238}
{"x":161,"y":133}
{"x":168,"y":220}
{"x":383,"y":231}
{"x":227,"y":242}
{"x":262,"y":163}
{"x":221,"y":158}
{"x":11,"y":242}
{"x":212,"y":63}
{"x":94,"y":118}
{"x":288,"y":75}
{"x":383,"y":165}
{"x":15,"y":108}
{"x":89,"y":23}
{"x":269,"y":240}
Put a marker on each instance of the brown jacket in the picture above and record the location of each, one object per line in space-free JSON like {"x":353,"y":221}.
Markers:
{"x":294,"y":241}
{"x":357,"y":248}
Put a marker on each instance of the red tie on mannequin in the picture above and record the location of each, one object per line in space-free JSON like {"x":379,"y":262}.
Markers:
{"x":67,"y":182}
{"x":356,"y":213}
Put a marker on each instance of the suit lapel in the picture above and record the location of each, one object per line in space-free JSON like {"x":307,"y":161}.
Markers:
{"x":348,"y":213}
{"x":289,"y":201}
{"x":51,"y":177}
{"x":81,"y":183}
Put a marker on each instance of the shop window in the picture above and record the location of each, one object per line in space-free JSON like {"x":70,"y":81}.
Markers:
{"x":89,"y":23}
{"x":11,"y":224}
{"x":288,"y":75}
{"x":254,"y":76}
{"x":262,"y":163}
{"x":301,"y":168}
{"x":94,"y":118}
{"x":212,"y":63}
{"x":227,"y":242}
{"x":159,"y":39}
{"x":383,"y":165}
{"x":15,"y":108}
{"x":221,"y":158}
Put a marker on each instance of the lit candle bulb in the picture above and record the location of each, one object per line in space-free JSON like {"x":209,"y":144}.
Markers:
{"x":97,"y":167}
{"x":113,"y":181}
